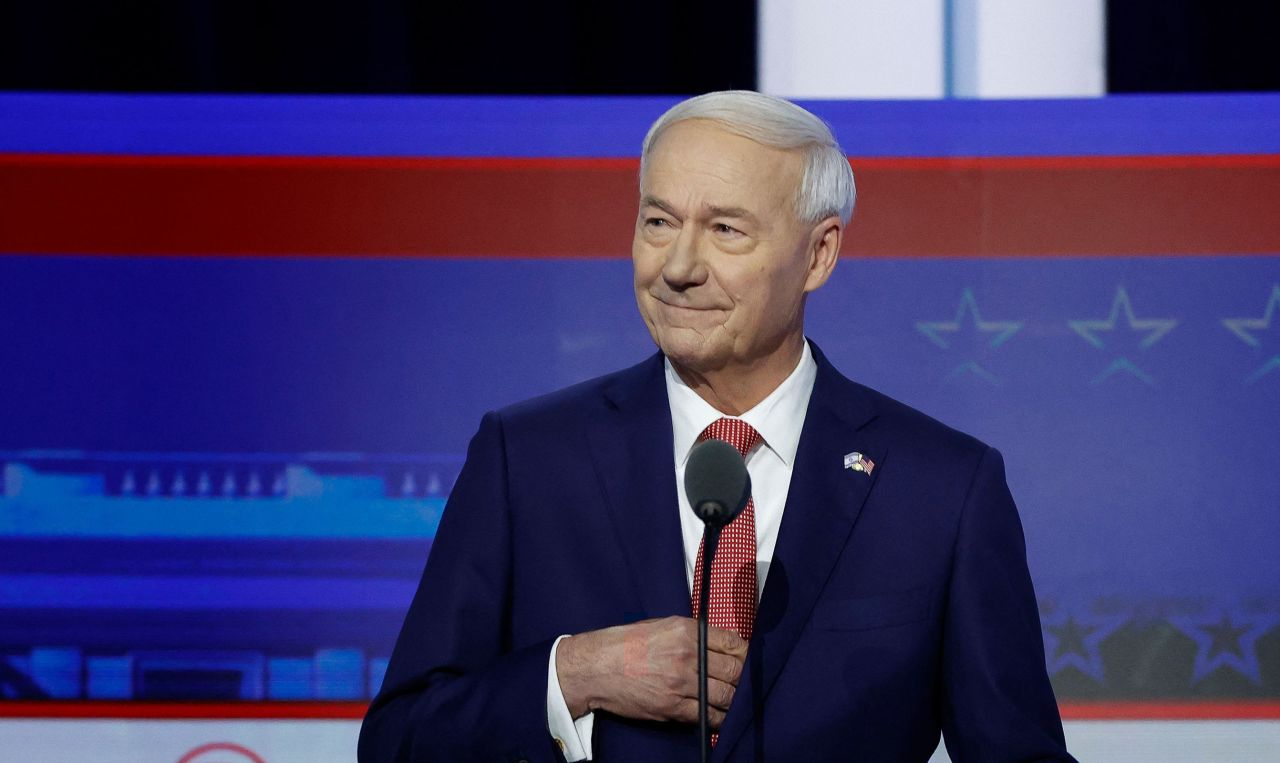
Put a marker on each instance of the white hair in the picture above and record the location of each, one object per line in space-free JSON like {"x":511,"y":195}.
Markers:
{"x":826,"y":187}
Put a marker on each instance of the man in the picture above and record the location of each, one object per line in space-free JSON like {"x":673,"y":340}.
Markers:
{"x":873,"y":593}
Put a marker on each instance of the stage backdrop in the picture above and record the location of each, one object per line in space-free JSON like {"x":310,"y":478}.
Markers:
{"x":244,"y":342}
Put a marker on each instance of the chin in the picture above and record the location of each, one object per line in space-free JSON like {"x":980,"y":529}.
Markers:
{"x":694,"y":353}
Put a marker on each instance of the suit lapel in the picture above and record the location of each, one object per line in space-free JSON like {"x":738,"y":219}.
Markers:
{"x":823,"y":504}
{"x":631,"y":449}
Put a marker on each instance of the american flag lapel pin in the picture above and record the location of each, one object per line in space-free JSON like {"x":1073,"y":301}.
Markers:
{"x":858,"y":462}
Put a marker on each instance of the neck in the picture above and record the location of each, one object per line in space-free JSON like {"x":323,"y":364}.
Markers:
{"x":736,"y":389}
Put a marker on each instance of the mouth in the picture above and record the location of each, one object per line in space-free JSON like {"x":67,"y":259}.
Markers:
{"x":677,"y":317}
{"x":689,"y":308}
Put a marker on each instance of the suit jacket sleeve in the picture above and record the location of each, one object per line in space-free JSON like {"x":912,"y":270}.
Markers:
{"x":998,"y":704}
{"x":455,"y":689}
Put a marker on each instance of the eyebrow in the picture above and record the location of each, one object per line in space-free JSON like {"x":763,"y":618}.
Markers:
{"x":738,"y":213}
{"x":653,"y":201}
{"x":734,"y":212}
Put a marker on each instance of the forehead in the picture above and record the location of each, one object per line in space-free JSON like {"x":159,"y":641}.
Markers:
{"x":699,"y":161}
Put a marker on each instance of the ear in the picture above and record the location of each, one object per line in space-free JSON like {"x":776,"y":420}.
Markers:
{"x":824,"y":251}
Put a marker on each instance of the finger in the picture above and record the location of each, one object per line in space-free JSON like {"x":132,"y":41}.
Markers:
{"x":724,"y":667}
{"x":725,"y":642}
{"x":686,"y":711}
{"x":719,"y":694}
{"x":715,"y":718}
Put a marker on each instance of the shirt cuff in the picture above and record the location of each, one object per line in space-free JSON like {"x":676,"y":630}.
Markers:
{"x":573,"y":737}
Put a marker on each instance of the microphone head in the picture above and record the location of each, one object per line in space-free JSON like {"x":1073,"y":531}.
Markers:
{"x":716,"y":482}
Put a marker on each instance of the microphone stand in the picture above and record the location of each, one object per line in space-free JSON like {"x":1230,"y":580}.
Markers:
{"x":718,"y":486}
{"x":710,"y":539}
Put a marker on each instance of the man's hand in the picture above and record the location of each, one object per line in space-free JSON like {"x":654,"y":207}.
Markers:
{"x":649,"y":670}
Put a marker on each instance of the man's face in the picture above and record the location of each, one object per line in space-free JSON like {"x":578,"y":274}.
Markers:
{"x":722,"y":264}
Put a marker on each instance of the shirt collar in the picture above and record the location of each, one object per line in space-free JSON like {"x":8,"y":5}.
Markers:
{"x":778,"y":418}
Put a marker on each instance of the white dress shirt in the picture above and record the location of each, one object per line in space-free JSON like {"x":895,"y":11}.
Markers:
{"x":778,"y":418}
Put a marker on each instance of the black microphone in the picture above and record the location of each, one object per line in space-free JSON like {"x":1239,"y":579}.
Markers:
{"x":716,"y":482}
{"x":718,"y":486}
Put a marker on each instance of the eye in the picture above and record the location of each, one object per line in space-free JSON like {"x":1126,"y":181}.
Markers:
{"x":726,"y":230}
{"x":656,"y":222}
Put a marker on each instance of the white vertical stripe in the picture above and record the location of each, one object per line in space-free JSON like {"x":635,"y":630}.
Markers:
{"x":900,"y":48}
{"x":1021,"y":48}
{"x":851,"y":49}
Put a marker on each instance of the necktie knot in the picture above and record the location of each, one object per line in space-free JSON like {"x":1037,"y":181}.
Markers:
{"x":736,"y":432}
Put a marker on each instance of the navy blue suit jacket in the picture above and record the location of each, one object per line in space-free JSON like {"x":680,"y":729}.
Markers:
{"x":897,"y":605}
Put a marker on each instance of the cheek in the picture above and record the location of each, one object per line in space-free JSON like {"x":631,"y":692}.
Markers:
{"x":642,"y":278}
{"x":646,"y":264}
{"x":749,"y":286}
{"x":762,"y":296}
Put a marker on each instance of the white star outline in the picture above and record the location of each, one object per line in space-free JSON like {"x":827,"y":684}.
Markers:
{"x":1003,"y":330}
{"x":1157,"y":326}
{"x":1242,"y":326}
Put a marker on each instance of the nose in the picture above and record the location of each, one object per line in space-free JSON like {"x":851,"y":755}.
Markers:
{"x":684,"y":267}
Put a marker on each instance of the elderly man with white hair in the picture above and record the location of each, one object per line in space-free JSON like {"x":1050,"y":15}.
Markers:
{"x":873,"y":593}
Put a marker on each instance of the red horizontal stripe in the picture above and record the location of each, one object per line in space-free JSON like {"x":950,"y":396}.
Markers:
{"x":1020,"y":163}
{"x":1155,"y":161}
{"x":1071,"y":711}
{"x":184,"y":710}
{"x":478,"y":163}
{"x":496,"y":207}
{"x":1262,"y":710}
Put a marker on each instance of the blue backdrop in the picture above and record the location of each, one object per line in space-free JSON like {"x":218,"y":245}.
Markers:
{"x":220,"y":476}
